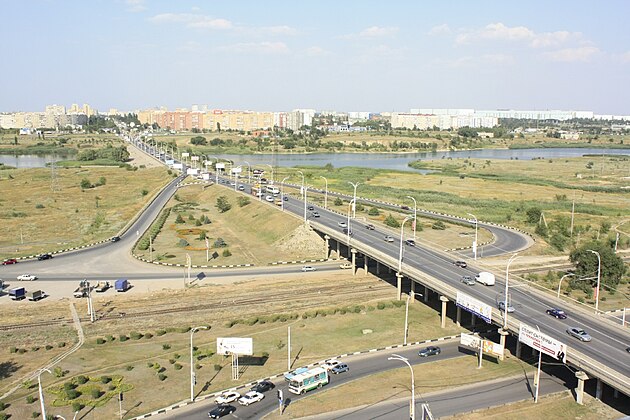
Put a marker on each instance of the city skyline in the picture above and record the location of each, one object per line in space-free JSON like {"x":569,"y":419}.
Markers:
{"x":274,"y":55}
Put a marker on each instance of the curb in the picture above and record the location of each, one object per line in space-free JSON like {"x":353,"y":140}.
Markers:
{"x":278,"y":375}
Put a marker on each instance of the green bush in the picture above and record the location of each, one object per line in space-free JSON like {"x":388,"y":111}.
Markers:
{"x":82,"y":379}
{"x":4,"y":416}
{"x":166,"y":346}
{"x":123,"y":337}
{"x":61,"y":344}
{"x":36,"y":414}
{"x":148,"y":336}
{"x":58,"y":372}
{"x":68,"y":385}
{"x":380,"y":305}
{"x":30,"y":399}
{"x":100,"y":341}
{"x":226,"y":253}
{"x":177,"y":366}
{"x":135,"y":335}
{"x":338,"y":201}
{"x":171,"y":361}
{"x":374,"y":211}
{"x":106,"y":379}
{"x":217,"y":367}
{"x":162,"y":377}
{"x":77,"y":406}
{"x":39,"y":206}
{"x":438,"y":225}
{"x":72,"y":394}
{"x":96,"y":393}
{"x":48,"y":347}
{"x":160,"y":332}
{"x":129,"y":368}
{"x":3,"y":406}
{"x":13,"y":349}
{"x":391,"y":221}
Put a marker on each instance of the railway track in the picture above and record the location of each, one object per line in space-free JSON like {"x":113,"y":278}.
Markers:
{"x":325,"y":291}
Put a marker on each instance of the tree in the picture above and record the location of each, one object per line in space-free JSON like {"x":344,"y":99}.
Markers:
{"x":85,"y":184}
{"x":338,"y":201}
{"x":391,"y":221}
{"x":533,"y":215}
{"x":179,"y":219}
{"x":586,"y":263}
{"x":222,"y":204}
{"x":198,"y":141}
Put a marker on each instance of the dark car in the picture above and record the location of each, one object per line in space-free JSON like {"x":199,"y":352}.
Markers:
{"x":9,"y":261}
{"x":311,"y":208}
{"x":410,"y":242}
{"x":340,"y":368}
{"x":345,"y":231}
{"x":44,"y":257}
{"x":461,"y":264}
{"x":557,"y":313}
{"x":221,"y":410}
{"x":263,"y":386}
{"x":369,"y":227}
{"x":116,"y":239}
{"x":404,"y":207}
{"x":315,"y":214}
{"x":285,"y":198}
{"x":429,"y":351}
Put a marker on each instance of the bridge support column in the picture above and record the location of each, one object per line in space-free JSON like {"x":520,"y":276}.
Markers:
{"x":473,"y":319}
{"x":353,"y":252}
{"x":327,"y":246}
{"x":365,"y":264}
{"x":615,"y":393}
{"x":599,"y":389}
{"x":399,"y":284}
{"x":338,"y":250}
{"x":378,"y":268}
{"x":579,"y":391}
{"x":534,"y":352}
{"x":459,"y":316}
{"x":444,"y":300}
{"x":502,"y":340}
{"x":519,"y":347}
{"x":413,"y":290}
{"x":426,"y":294}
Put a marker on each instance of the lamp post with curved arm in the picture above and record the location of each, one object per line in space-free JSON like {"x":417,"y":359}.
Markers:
{"x":475,"y":243}
{"x":354,"y":207}
{"x":271,"y":167}
{"x":415,"y":216}
{"x":305,"y":199}
{"x":41,"y":391}
{"x":326,"y":193}
{"x":249,"y":172}
{"x":400,"y":254}
{"x":599,"y":276}
{"x":282,"y":192}
{"x":407,"y":315}
{"x":302,"y":187}
{"x":412,"y":409}
{"x":505,"y":306}
{"x":560,"y":284}
{"x":348,"y":224}
{"x":192,"y":365}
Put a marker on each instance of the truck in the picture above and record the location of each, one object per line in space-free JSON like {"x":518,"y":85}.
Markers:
{"x":121,"y":285}
{"x":102,"y":286}
{"x":18,"y":293}
{"x":36,"y":295}
{"x":485,"y":278}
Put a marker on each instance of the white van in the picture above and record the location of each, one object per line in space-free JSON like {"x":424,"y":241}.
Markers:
{"x":273,"y":190}
{"x":485,"y":278}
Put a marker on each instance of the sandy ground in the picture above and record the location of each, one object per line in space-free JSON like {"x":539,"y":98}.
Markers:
{"x":138,"y":158}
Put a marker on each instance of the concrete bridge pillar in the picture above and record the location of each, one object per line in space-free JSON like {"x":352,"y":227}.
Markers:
{"x":579,"y":391}
{"x":353,"y":252}
{"x":413,"y":290}
{"x":519,"y":347}
{"x":338,"y":250}
{"x":599,"y":389}
{"x":459,"y":316}
{"x":472,"y":320}
{"x":503,"y":334}
{"x":426,"y":294}
{"x":444,"y":300}
{"x":378,"y":268}
{"x":399,"y":284}
{"x":327,"y":246}
{"x":365,"y":264}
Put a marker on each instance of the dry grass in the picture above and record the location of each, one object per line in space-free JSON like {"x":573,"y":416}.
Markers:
{"x":68,"y":217}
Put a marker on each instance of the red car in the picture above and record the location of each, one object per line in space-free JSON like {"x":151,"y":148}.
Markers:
{"x":9,"y":261}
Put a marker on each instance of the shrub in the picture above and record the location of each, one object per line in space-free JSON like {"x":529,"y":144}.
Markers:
{"x":123,"y":337}
{"x":3,"y":406}
{"x":166,"y":346}
{"x":4,"y":416}
{"x":144,"y":192}
{"x":160,"y":333}
{"x":162,"y":377}
{"x":171,"y":361}
{"x":30,"y":399}
{"x":61,"y":344}
{"x":179,"y":219}
{"x":58,"y":372}
{"x":439,"y":225}
{"x":36,"y":414}
{"x":380,"y":305}
{"x":106,"y":379}
{"x":13,"y":349}
{"x":96,"y":393}
{"x":129,"y":368}
{"x":21,"y":351}
{"x":72,"y":394}
{"x":82,"y":379}
{"x":338,"y":201}
{"x":77,"y":406}
{"x":391,"y":221}
{"x":177,"y":366}
{"x":243,"y":201}
{"x":110,"y":338}
{"x":374,"y":211}
{"x":39,"y":206}
{"x":100,"y":341}
{"x":217,"y":367}
{"x":226,"y":253}
{"x":135,"y":335}
{"x":148,"y":336}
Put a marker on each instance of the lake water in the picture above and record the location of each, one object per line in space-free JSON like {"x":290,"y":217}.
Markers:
{"x":400,"y":161}
{"x":394,"y":161}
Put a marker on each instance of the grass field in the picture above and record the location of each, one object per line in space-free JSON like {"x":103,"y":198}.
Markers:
{"x":35,"y":219}
{"x":163,"y":339}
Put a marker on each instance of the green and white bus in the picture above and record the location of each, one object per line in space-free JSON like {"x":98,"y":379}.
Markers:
{"x":314,"y":378}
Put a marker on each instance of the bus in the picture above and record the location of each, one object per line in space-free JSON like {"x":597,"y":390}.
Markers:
{"x":314,"y":378}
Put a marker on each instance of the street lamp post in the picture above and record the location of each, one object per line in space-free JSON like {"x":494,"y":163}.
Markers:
{"x":348,"y":223}
{"x":560,"y":284}
{"x":415,"y":216}
{"x":475,"y":243}
{"x":354,"y":207}
{"x":407,"y":315}
{"x":302,"y":187}
{"x":538,"y":374}
{"x":282,"y":192}
{"x":326,"y":193}
{"x":271,"y":167}
{"x":400,"y":253}
{"x":249,"y":172}
{"x":599,"y":276}
{"x":412,"y":410}
{"x":305,"y":197}
{"x":41,"y":391}
{"x":505,"y":306}
{"x":192,"y":365}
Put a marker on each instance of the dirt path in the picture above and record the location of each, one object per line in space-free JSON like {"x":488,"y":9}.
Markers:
{"x":137,"y":158}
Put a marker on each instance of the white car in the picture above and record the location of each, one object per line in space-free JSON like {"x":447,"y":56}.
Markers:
{"x":388,"y":238}
{"x":342,"y":224}
{"x":330,"y":363}
{"x":308,"y":268}
{"x":227,"y":397}
{"x":26,"y":277}
{"x":269,"y":198}
{"x":250,"y":398}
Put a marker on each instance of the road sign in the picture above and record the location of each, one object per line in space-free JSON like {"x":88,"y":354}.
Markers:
{"x":542,"y":342}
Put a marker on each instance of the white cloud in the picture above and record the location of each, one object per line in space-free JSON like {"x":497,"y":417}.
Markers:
{"x":442,"y":29}
{"x":501,"y":32}
{"x":481,"y":61}
{"x":257,"y":48}
{"x":279,"y":30}
{"x":378,"y":31}
{"x":583,"y":53}
{"x":135,"y":5}
{"x":316,"y":51}
{"x":192,"y":20}
{"x":623,"y":57}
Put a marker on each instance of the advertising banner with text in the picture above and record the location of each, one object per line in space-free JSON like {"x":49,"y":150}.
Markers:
{"x":542,"y":342}
{"x":474,"y":306}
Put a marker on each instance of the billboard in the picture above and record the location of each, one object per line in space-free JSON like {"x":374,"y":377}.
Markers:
{"x":235,"y":345}
{"x":194,"y":158}
{"x":237,"y":170}
{"x":489,"y":346}
{"x":470,"y":340}
{"x":542,"y":342}
{"x":178,"y":166}
{"x":220,"y":165}
{"x":185,"y":154}
{"x":474,"y":306}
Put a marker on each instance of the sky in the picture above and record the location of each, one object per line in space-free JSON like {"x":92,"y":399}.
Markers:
{"x":349,"y":55}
